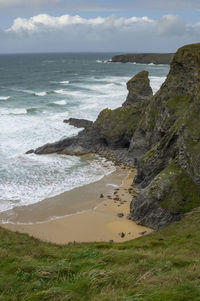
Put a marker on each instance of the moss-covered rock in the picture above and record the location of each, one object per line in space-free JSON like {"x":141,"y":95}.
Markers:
{"x":139,"y":88}
{"x":169,"y":131}
{"x":116,"y":127}
{"x":170,"y":194}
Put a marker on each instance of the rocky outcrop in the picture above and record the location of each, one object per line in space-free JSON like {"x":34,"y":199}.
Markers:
{"x":79,"y":123}
{"x":139,"y":88}
{"x":143,"y":58}
{"x":159,"y":134}
{"x":168,"y":137}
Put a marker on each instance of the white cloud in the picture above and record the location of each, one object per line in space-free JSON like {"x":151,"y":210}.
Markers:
{"x":74,"y":33}
{"x":171,"y":25}
{"x":44,"y":22}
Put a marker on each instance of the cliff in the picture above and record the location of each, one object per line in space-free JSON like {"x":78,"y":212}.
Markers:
{"x":160,"y":135}
{"x":144,"y":58}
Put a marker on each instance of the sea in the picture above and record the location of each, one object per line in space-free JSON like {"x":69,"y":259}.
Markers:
{"x":39,"y":91}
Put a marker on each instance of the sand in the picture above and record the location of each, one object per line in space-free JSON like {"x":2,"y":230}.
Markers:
{"x":97,"y":220}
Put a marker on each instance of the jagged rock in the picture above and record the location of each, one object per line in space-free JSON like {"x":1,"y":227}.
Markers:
{"x":139,"y":88}
{"x":30,"y":151}
{"x":79,"y":123}
{"x":161,"y":135}
{"x":120,"y":214}
{"x":167,"y":143}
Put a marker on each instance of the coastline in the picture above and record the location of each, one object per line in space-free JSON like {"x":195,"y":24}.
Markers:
{"x":97,"y":219}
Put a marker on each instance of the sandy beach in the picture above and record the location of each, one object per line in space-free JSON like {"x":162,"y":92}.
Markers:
{"x":99,"y":217}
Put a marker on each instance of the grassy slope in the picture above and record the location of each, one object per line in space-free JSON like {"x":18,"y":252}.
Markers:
{"x":162,"y":266}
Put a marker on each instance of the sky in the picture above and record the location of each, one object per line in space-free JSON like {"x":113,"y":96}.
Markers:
{"x":122,"y":26}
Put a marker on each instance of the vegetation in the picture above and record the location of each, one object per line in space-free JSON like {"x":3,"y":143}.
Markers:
{"x":164,"y":265}
{"x":175,"y":190}
{"x":115,"y":125}
{"x":144,"y":58}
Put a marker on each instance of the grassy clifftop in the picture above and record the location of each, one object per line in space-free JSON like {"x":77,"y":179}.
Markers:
{"x":164,"y":265}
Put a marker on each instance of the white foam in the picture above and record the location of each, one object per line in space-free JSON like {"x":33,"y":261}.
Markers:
{"x":64,"y":173}
{"x":12,"y":111}
{"x":60,"y":102}
{"x":40,"y":93}
{"x":4,"y":97}
{"x":64,"y":82}
{"x":104,"y":61}
{"x":156,"y":82}
{"x":151,"y":64}
{"x":63,"y":92}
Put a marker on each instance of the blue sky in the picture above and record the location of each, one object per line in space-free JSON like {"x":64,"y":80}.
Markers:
{"x":94,"y":25}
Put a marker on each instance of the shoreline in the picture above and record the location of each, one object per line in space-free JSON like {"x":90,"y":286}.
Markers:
{"x":106,"y":221}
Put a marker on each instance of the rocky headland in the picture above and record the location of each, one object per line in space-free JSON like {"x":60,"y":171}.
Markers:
{"x":144,"y":58}
{"x":160,"y":135}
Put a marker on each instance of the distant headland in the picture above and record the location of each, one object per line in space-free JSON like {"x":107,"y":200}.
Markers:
{"x":144,"y":58}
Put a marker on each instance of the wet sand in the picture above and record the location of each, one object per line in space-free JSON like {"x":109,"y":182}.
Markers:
{"x":96,"y":221}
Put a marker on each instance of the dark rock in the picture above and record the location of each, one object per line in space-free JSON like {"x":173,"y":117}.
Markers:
{"x":79,"y":123}
{"x":139,"y":89}
{"x":30,"y":151}
{"x":120,"y":214}
{"x":128,"y":217}
{"x":122,"y":234}
{"x":143,"y":232}
{"x":101,"y":196}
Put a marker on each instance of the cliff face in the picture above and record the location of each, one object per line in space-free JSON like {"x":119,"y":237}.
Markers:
{"x":160,"y":133}
{"x":144,"y":58}
{"x":168,"y":138}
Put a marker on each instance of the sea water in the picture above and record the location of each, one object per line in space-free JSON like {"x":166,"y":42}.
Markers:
{"x":39,"y":91}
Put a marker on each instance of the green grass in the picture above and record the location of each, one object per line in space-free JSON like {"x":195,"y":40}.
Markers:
{"x":163,"y":266}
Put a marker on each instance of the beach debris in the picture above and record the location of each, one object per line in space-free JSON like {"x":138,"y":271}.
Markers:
{"x":101,"y":196}
{"x":122,"y":234}
{"x":120,"y":214}
{"x":128,"y":217}
{"x":143,"y":232}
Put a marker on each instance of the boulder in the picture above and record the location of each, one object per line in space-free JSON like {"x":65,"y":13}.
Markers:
{"x":79,"y":123}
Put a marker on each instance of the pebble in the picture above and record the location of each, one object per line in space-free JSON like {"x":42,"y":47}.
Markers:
{"x":120,"y":214}
{"x":122,"y":234}
{"x":143,"y":232}
{"x":101,"y":196}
